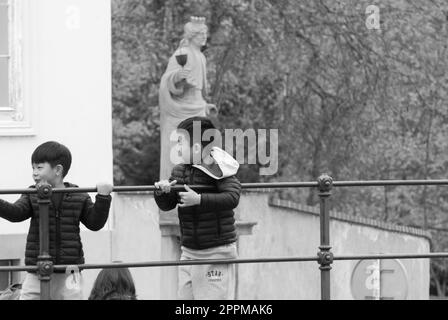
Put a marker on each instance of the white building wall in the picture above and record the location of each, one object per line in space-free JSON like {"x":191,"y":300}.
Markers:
{"x":283,"y":232}
{"x":67,"y":85}
{"x":67,"y":89}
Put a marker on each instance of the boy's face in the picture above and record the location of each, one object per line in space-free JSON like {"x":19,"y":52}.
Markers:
{"x":44,"y":172}
{"x":186,"y":151}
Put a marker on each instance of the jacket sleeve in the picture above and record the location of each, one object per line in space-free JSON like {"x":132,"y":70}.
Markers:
{"x":166,"y":201}
{"x":94,"y":215}
{"x":226,"y":198}
{"x":20,"y":211}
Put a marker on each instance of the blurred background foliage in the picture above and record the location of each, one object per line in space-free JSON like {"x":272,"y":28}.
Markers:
{"x":358,"y":104}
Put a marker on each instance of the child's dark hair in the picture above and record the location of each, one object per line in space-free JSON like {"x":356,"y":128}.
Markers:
{"x":54,"y":153}
{"x":113,"y":284}
{"x":188,"y":126}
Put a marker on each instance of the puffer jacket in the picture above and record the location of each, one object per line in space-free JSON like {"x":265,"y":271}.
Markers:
{"x":65,"y":240}
{"x":212,"y":222}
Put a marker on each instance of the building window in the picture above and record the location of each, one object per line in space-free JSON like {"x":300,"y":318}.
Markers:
{"x":15,"y":115}
{"x":4,"y":54}
{"x":9,"y":278}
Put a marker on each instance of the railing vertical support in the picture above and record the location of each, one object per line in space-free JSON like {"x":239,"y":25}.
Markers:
{"x":325,"y":256}
{"x":44,"y":262}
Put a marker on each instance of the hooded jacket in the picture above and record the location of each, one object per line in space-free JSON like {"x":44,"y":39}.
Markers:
{"x":65,"y":240}
{"x":212,"y":222}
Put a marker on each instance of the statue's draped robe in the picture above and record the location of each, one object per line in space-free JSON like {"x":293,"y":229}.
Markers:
{"x":179,"y":102}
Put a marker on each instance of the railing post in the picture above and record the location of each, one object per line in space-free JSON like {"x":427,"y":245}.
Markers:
{"x":325,"y":256}
{"x":44,"y":263}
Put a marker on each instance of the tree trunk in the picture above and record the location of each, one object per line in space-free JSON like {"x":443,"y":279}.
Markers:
{"x":311,"y":201}
{"x":437,"y":280}
{"x":426,"y":168}
{"x":168,"y":21}
{"x":386,"y":204}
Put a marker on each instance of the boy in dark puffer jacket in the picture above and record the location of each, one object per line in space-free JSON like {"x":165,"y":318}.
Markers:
{"x":51,"y":162}
{"x":206,"y":219}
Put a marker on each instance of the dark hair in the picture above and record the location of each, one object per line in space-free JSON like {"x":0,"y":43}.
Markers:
{"x":113,"y":284}
{"x":188,"y":125}
{"x":54,"y":153}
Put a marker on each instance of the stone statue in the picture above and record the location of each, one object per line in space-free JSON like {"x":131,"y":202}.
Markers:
{"x":183,"y":88}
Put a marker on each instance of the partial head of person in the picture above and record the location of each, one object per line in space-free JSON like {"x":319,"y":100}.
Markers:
{"x":51,"y":162}
{"x":113,"y":284}
{"x":195,"y":33}
{"x":193,"y":138}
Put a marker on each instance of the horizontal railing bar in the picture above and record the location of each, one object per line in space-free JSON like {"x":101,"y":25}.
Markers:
{"x":432,"y":255}
{"x":266,"y":185}
{"x":393,"y":256}
{"x":162,"y":263}
{"x":87,"y":190}
{"x":373,"y":183}
{"x":18,"y":268}
{"x":151,"y":188}
{"x":188,"y":262}
{"x":255,"y":185}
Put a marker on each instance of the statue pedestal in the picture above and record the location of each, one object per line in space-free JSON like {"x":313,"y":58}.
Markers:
{"x":170,"y":251}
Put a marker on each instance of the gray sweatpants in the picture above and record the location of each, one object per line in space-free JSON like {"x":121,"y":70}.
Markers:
{"x":62,"y":287}
{"x":208,"y":282}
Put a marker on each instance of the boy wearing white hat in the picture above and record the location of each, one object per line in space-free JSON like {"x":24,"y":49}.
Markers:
{"x":206,"y":219}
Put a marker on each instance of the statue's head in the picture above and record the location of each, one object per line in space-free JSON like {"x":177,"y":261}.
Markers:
{"x":195,"y":32}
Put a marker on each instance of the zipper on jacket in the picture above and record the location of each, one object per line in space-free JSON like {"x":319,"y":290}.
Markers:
{"x":58,"y":229}
{"x":195,"y":216}
{"x":58,"y":237}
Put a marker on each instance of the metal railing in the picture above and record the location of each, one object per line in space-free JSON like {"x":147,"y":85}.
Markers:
{"x":324,"y":258}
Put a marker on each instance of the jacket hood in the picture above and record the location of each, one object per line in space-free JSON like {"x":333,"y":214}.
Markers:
{"x":223,"y":165}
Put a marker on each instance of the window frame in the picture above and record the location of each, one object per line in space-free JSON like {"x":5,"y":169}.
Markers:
{"x":16,"y":119}
{"x":7,"y":55}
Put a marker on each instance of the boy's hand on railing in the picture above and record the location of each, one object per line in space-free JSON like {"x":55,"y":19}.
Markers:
{"x":165,"y":185}
{"x":104,"y":188}
{"x":189,"y":198}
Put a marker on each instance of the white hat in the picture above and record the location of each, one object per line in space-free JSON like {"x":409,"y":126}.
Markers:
{"x":223,"y":166}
